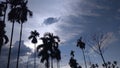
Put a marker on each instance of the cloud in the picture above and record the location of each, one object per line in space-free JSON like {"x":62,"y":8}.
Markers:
{"x":65,"y":66}
{"x":50,"y":20}
{"x":23,"y":51}
{"x":95,"y":8}
{"x":70,"y":27}
{"x":4,"y":55}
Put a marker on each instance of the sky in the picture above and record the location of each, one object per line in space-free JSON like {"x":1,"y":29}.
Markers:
{"x":68,"y":19}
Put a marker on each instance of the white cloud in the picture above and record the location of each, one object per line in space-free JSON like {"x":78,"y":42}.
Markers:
{"x":65,"y":66}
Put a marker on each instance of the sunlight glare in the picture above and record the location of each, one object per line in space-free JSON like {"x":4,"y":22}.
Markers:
{"x":31,"y":45}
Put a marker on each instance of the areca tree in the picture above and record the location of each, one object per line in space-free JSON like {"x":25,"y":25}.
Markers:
{"x":11,"y":18}
{"x":81,"y":45}
{"x":49,"y":48}
{"x":3,"y":8}
{"x":53,"y":47}
{"x":18,"y":13}
{"x":3,"y":38}
{"x":33,"y":36}
{"x":43,"y":51}
{"x":22,"y":18}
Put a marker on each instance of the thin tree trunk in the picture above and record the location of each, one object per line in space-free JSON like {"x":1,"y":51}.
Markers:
{"x":47,"y":63}
{"x":84,"y":58}
{"x":51,"y":62}
{"x":58,"y":64}
{"x":27,"y":62}
{"x":18,"y":56}
{"x":35,"y":56}
{"x":0,"y":49}
{"x":103,"y":58}
{"x":101,"y":54}
{"x":8,"y":63}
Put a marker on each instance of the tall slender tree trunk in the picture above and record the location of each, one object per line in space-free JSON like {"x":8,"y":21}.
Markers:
{"x":8,"y":63}
{"x":35,"y":56}
{"x":27,"y":62}
{"x":101,"y":54}
{"x":84,"y":58}
{"x":0,"y":49}
{"x":51,"y":62}
{"x":58,"y":64}
{"x":18,"y":56}
{"x":47,"y":63}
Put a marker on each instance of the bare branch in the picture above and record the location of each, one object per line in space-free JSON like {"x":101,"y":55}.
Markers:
{"x":93,"y":49}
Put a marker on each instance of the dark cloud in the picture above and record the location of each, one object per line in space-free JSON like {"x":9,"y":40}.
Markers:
{"x":95,"y":15}
{"x":104,"y":8}
{"x":23,"y":51}
{"x":4,"y":55}
{"x":50,"y":20}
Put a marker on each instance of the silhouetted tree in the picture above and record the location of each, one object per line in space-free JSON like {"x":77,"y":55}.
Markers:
{"x":50,"y":47}
{"x":33,"y":36}
{"x":110,"y":64}
{"x":73,"y":62}
{"x":43,"y":51}
{"x":18,"y":13}
{"x":96,"y":43}
{"x":11,"y":38}
{"x":72,"y":53}
{"x":81,"y":45}
{"x":3,"y":8}
{"x":94,"y":66}
{"x":79,"y":66}
{"x":53,"y":47}
{"x":22,"y":18}
{"x":3,"y":38}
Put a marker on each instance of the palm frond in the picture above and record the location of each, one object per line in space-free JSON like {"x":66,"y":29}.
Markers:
{"x":6,"y":39}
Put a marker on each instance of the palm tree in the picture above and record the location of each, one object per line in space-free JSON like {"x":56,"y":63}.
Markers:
{"x":22,"y":17}
{"x":43,"y":51}
{"x":49,"y":49}
{"x":3,"y":38}
{"x":11,"y":13}
{"x":53,"y":47}
{"x":18,"y":13}
{"x":12,"y":17}
{"x":81,"y":45}
{"x":3,"y":8}
{"x":33,"y":36}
